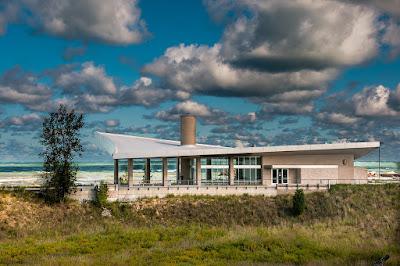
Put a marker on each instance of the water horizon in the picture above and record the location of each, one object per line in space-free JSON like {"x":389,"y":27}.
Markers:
{"x":28,"y":173}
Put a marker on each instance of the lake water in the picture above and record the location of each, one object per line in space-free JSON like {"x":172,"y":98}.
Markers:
{"x":93,"y":173}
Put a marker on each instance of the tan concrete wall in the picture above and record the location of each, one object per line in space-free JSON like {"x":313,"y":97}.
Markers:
{"x":293,"y":174}
{"x":343,"y":172}
{"x":116,"y":193}
{"x":318,"y":175}
{"x":361,"y":174}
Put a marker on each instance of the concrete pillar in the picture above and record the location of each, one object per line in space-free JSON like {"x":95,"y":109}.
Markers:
{"x":231,"y":172}
{"x":265,"y":173}
{"x":147,"y":171}
{"x":198,"y":171}
{"x":188,"y":130}
{"x":185,"y":170}
{"x":165,"y":172}
{"x":116,"y":179}
{"x":130,"y":172}
{"x":178,"y":169}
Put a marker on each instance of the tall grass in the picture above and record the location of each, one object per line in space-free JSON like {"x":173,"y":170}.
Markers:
{"x":348,"y":225}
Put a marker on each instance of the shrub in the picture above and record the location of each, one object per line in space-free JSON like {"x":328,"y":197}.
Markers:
{"x":299,"y":203}
{"x":101,"y":194}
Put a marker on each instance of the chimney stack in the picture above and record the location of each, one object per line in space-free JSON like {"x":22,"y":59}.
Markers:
{"x":188,"y":130}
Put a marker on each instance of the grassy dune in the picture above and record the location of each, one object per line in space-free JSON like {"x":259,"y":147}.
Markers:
{"x":348,"y":225}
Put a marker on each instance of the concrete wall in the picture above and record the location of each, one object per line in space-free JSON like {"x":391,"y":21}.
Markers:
{"x":344,"y":172}
{"x":116,"y":193}
{"x":361,"y":174}
{"x":318,"y":175}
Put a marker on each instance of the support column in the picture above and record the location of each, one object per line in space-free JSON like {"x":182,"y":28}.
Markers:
{"x":198,"y":171}
{"x":116,"y":179}
{"x":265,"y":173}
{"x":130,"y":172}
{"x":165,"y":172}
{"x":147,"y":173}
{"x":186,"y":170}
{"x":231,"y":172}
{"x":178,"y":166}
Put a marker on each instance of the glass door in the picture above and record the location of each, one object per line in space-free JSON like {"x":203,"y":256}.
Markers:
{"x":279,"y":176}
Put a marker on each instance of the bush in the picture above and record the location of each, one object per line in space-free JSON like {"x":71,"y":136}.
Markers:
{"x":299,"y":203}
{"x":101,"y":194}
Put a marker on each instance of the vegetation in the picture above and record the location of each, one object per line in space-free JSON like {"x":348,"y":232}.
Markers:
{"x":349,"y":225}
{"x":101,"y":194}
{"x":299,"y":203}
{"x":61,"y":140}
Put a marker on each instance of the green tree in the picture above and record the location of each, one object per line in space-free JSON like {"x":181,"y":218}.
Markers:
{"x":61,"y":140}
{"x":299,"y":203}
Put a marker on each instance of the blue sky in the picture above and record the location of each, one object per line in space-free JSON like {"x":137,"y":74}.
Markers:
{"x":254,"y":72}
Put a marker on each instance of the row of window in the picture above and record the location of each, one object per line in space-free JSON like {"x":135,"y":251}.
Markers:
{"x":250,"y":174}
{"x":241,"y":160}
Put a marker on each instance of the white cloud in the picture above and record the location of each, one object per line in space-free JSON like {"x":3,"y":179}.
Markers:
{"x":394,"y":98}
{"x":186,"y":107}
{"x":89,"y":78}
{"x":391,"y":37}
{"x":115,"y":22}
{"x":373,"y":101}
{"x":337,"y":118}
{"x":201,"y":70}
{"x":300,"y":34}
{"x":19,"y":87}
{"x":26,"y":122}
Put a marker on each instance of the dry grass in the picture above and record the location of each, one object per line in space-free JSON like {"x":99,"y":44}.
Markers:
{"x":349,"y":225}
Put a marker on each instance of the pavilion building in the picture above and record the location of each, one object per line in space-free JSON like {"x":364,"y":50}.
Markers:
{"x":201,"y":168}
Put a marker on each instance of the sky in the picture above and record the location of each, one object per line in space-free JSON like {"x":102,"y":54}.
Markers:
{"x":254,"y":72}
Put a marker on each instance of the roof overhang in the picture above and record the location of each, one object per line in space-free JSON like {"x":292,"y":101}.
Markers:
{"x":127,"y":146}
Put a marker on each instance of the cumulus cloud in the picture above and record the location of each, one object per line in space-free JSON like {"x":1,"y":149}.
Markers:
{"x":85,"y":87}
{"x":89,"y":78}
{"x":391,"y":37}
{"x":394,"y":99}
{"x":202,"y":70}
{"x":337,"y":118}
{"x":115,"y":22}
{"x":88,"y":88}
{"x":8,"y":13}
{"x":144,"y":92}
{"x":20,"y":87}
{"x":313,"y":35}
{"x":282,"y":64}
{"x":27,"y":122}
{"x":206,"y":114}
{"x":391,"y":7}
{"x":373,"y":101}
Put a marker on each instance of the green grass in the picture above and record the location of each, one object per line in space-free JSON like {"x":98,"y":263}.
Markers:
{"x":350,"y":225}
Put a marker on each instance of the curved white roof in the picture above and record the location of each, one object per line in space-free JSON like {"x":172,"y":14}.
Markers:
{"x":127,"y":146}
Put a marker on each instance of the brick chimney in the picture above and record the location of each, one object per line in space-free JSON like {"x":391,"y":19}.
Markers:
{"x":188,"y":130}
